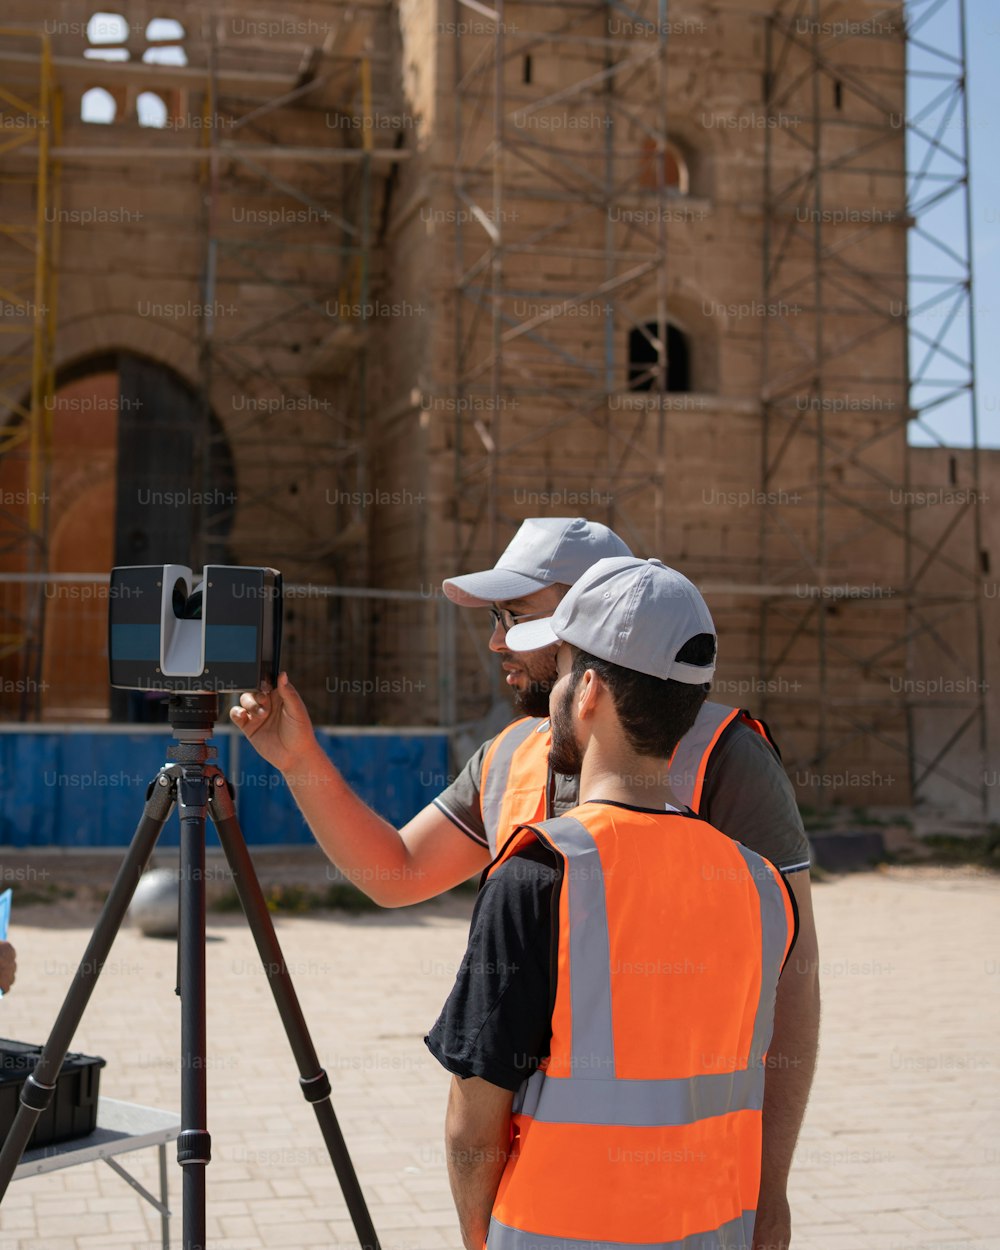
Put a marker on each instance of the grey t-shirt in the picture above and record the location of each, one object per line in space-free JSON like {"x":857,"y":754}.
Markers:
{"x":746,"y":795}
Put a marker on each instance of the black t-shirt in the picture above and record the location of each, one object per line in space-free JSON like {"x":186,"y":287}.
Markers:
{"x":497,"y":1021}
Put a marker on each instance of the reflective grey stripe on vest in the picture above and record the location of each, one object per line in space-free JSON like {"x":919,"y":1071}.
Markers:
{"x":640,"y":1104}
{"x":593,"y":1045}
{"x":735,"y":1235}
{"x":692,"y":747}
{"x":491,"y":795}
{"x":774,"y":935}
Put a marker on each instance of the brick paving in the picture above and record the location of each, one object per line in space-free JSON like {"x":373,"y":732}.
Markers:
{"x":899,"y":1151}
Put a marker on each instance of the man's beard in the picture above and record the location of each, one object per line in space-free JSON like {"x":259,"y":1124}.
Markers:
{"x":533,"y":700}
{"x":565,"y":756}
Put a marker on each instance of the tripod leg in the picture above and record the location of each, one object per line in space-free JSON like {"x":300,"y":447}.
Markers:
{"x":37,"y":1091}
{"x":313,"y":1079}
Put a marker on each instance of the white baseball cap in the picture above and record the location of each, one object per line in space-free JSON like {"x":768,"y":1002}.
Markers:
{"x":634,"y":613}
{"x":545,"y":550}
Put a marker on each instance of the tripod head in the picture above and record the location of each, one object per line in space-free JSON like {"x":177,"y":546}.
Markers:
{"x":192,"y":718}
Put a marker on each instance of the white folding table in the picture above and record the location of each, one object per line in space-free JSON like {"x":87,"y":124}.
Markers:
{"x":121,"y":1127}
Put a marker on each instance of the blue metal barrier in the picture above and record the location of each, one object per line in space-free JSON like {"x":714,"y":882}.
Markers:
{"x":85,"y":787}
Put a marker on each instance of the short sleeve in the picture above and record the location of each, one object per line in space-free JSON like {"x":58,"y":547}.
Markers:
{"x":461,"y":802}
{"x":749,"y":798}
{"x":795,"y":920}
{"x":497,"y":1021}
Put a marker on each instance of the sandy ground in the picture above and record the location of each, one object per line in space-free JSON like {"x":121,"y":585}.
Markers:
{"x":899,"y":1151}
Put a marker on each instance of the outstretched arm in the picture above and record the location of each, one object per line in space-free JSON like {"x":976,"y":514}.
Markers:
{"x":392,"y":866}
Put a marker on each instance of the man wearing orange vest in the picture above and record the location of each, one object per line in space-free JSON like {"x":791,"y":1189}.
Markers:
{"x":726,"y":768}
{"x":608,"y":1029}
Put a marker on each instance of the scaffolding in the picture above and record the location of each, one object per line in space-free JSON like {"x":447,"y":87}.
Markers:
{"x":28,"y":240}
{"x":845,"y":374}
{"x":302,"y":247}
{"x":292,"y":230}
{"x":850,"y":381}
{"x":556,"y":226}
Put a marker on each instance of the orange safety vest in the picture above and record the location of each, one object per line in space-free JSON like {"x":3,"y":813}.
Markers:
{"x":644,"y":1123}
{"x":514,"y":786}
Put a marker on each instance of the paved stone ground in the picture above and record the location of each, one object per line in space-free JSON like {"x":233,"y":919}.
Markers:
{"x":899,"y":1151}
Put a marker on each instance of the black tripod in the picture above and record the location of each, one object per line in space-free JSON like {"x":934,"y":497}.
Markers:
{"x":199,"y":787}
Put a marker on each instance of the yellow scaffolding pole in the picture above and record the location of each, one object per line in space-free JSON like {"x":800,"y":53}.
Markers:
{"x":27,"y":346}
{"x":39,"y":368}
{"x":37,"y":120}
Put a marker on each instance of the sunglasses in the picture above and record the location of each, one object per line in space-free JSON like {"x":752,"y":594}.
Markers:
{"x":507,"y":619}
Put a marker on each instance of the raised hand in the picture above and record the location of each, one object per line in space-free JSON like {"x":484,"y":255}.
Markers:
{"x":276,"y":722}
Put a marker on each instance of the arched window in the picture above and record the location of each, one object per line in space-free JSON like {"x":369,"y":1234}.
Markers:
{"x":164,"y":30}
{"x":151,"y":110}
{"x":676,"y":178}
{"x":643,"y":357}
{"x":107,"y":33}
{"x":98,"y":106}
{"x":165,"y":36}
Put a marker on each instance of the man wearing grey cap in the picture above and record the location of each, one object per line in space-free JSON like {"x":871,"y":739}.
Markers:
{"x":608,"y":1030}
{"x":725,"y":768}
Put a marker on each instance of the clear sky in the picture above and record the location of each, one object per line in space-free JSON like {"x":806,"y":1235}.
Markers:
{"x":935,"y":23}
{"x":983,"y":25}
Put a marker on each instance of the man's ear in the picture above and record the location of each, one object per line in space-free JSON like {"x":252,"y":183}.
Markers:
{"x":588,"y":692}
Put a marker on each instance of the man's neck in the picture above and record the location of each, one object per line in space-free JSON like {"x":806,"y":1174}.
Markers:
{"x":633,"y":779}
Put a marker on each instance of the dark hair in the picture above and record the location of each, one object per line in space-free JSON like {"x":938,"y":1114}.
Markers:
{"x":655,"y":713}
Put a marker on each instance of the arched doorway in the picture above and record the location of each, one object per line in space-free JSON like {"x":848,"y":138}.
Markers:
{"x":81,"y":539}
{"x":139,"y":473}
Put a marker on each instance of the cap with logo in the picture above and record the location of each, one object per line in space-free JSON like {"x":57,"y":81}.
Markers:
{"x":545,"y":550}
{"x":634,"y":613}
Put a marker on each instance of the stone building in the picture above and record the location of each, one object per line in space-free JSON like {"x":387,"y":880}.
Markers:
{"x":352,"y":289}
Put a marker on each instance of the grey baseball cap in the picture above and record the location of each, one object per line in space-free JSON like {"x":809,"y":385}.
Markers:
{"x":631,"y":612}
{"x":545,"y":550}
